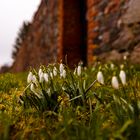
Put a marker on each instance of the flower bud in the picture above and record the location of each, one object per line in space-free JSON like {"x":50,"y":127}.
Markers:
{"x":122,"y":76}
{"x":46,"y":77}
{"x":79,"y":70}
{"x":61,"y":68}
{"x":41,"y":77}
{"x":100,"y":77}
{"x":112,"y":66}
{"x":115,"y":83}
{"x":54,"y":71}
{"x":29,"y":78}
{"x":64,"y":74}
{"x":40,"y":72}
{"x":34,"y":80}
{"x":51,"y":75}
{"x":32,"y":88}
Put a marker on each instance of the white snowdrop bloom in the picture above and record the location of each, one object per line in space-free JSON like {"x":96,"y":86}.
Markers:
{"x":54,"y":71}
{"x":112,"y":66}
{"x":63,"y":88}
{"x":79,"y":70}
{"x":41,"y":77}
{"x":49,"y":91}
{"x":46,"y":77}
{"x":40,"y":72}
{"x":100,"y":77}
{"x":61,"y":68}
{"x":122,"y":76}
{"x":34,"y":80}
{"x":51,"y":75}
{"x":115,"y":82}
{"x":125,"y":57}
{"x":32,"y":88}
{"x":64,"y":74}
{"x":29,"y":78}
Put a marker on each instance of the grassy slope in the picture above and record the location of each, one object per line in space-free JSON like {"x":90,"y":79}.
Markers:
{"x":106,"y":114}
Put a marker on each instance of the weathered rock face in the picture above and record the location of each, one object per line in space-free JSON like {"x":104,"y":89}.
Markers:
{"x":57,"y":30}
{"x":41,"y":43}
{"x":118,"y":31}
{"x":82,"y":30}
{"x":132,"y":14}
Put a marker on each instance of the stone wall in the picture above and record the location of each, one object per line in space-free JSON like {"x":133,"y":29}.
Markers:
{"x":113,"y":30}
{"x":41,"y":43}
{"x":83,"y":30}
{"x":102,"y":16}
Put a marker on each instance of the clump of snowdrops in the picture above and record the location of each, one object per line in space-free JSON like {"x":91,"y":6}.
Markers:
{"x":56,"y":86}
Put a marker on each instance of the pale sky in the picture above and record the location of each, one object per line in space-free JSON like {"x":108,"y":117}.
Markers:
{"x":12,"y":15}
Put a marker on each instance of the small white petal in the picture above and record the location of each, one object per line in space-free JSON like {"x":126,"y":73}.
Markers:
{"x":115,"y":83}
{"x":100,"y":77}
{"x":79,"y":70}
{"x":41,"y":77}
{"x":112,"y":66}
{"x":46,"y":77}
{"x":125,"y":57}
{"x":29,"y":78}
{"x":64,"y":74}
{"x":34,"y":80}
{"x":63,"y":88}
{"x":55,"y":71}
{"x":40,"y":72}
{"x":32,"y":88}
{"x":122,"y":76}
{"x":61,"y":68}
{"x":51,"y":75}
{"x":49,"y":91}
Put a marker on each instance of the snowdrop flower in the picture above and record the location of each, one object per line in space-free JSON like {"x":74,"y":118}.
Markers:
{"x":122,"y":76}
{"x":115,"y":83}
{"x":54,"y":71}
{"x":64,"y":74}
{"x":51,"y":75}
{"x":34,"y":80}
{"x":41,"y":77}
{"x":40,"y":72}
{"x":49,"y":92}
{"x":29,"y":78}
{"x":63,"y":88}
{"x":79,"y":70}
{"x":100,"y":77}
{"x":125,"y":57}
{"x":61,"y":68}
{"x":32,"y":88}
{"x":46,"y":77}
{"x":112,"y":66}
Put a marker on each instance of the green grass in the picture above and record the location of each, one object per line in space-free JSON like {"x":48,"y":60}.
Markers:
{"x":76,"y":107}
